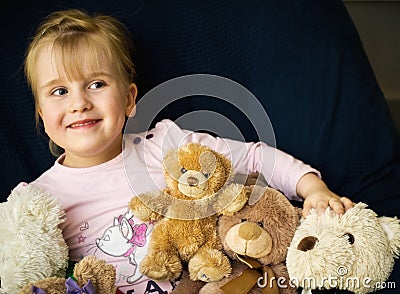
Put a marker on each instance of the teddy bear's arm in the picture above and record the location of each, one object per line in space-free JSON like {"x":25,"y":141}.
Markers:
{"x":235,"y":195}
{"x":141,"y":210}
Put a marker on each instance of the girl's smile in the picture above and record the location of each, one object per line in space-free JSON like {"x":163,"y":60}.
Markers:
{"x":84,"y":124}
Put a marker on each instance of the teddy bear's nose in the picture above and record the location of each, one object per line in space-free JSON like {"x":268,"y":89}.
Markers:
{"x":192,"y":181}
{"x":249,"y":231}
{"x":307,"y":243}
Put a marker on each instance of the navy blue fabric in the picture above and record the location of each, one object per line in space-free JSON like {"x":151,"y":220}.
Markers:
{"x":302,"y":59}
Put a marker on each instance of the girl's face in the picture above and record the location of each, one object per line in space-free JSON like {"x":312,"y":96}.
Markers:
{"x":84,"y":115}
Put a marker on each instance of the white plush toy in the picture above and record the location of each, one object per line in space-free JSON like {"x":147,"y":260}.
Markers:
{"x":32,"y":246}
{"x":353,"y":252}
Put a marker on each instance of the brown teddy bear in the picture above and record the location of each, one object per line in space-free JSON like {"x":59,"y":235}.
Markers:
{"x":91,"y":275}
{"x":198,"y":188}
{"x":257,"y":238}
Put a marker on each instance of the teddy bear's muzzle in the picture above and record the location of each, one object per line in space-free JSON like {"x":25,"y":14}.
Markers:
{"x":193,"y":184}
{"x":249,"y":239}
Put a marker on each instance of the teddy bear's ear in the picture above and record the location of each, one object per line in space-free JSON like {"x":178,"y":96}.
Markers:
{"x":256,"y":193}
{"x":391,"y":226}
{"x":208,"y":161}
{"x":171,"y":164}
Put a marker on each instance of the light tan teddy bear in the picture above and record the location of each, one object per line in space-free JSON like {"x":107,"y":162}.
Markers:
{"x":91,"y":275}
{"x":198,"y":188}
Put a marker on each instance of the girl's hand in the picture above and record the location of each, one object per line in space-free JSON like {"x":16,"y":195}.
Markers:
{"x":320,"y":200}
{"x":317,"y":195}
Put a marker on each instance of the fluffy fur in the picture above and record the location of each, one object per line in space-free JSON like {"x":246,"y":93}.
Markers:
{"x":262,"y":231}
{"x":90,"y":268}
{"x":31,"y":243}
{"x":198,"y":188}
{"x":353,"y":252}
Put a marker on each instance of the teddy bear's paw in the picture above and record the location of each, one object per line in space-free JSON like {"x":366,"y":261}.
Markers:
{"x":143,"y":214}
{"x":140,"y":210}
{"x":161,"y":266}
{"x":209,"y":266}
{"x":236,"y":196}
{"x":189,"y":250}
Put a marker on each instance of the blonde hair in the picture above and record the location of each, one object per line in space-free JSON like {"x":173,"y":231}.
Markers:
{"x":68,"y":31}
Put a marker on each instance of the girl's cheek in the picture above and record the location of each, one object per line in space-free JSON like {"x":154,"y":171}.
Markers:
{"x":51,"y":118}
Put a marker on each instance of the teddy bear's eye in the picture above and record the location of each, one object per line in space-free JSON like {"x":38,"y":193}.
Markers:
{"x":243,"y":220}
{"x":260,"y":224}
{"x":206,"y":175}
{"x":349,"y":237}
{"x":183,"y":170}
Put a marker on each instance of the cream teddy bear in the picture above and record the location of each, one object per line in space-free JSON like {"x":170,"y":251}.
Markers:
{"x":32,"y":246}
{"x":354,"y":252}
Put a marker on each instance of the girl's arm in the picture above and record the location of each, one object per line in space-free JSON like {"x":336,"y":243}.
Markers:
{"x":282,"y":171}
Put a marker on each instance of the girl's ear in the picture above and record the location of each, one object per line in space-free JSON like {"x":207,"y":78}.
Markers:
{"x":130,"y":109}
{"x":39,"y":115}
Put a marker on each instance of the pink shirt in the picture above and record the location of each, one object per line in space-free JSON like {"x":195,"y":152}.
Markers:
{"x":95,"y":198}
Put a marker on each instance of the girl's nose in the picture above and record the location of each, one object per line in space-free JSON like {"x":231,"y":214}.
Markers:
{"x":80,"y":102}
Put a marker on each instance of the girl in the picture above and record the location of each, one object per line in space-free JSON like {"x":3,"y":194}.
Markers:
{"x":82,"y":76}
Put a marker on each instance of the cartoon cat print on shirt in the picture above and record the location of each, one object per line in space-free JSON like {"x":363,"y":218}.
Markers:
{"x":122,"y":239}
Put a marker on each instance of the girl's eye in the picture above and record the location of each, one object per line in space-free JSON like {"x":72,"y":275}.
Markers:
{"x":96,"y":85}
{"x":60,"y":92}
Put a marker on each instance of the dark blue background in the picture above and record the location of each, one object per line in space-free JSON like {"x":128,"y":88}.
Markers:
{"x":302,"y":59}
